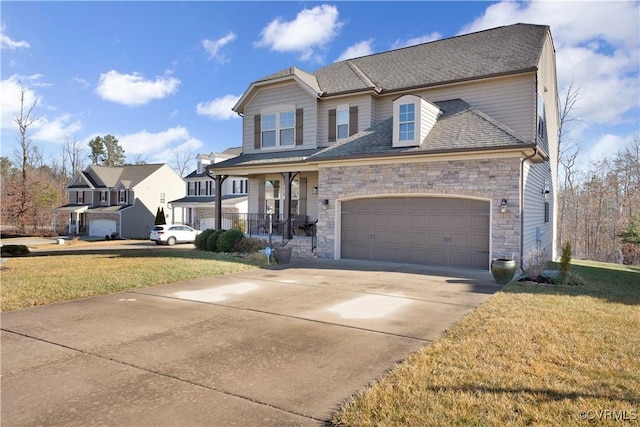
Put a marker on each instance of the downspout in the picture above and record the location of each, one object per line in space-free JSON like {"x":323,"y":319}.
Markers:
{"x":535,"y":152}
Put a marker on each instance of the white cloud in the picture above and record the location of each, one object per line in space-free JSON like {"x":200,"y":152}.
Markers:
{"x":168,"y":155}
{"x":359,"y":49}
{"x":7,"y":43}
{"x":55,"y":130}
{"x":219,"y":108}
{"x":158,"y":147}
{"x":10,"y":99}
{"x":133,"y":89}
{"x":84,"y":84}
{"x":213,"y":46}
{"x":312,"y":28}
{"x":602,"y":61}
{"x":416,"y":40}
{"x":606,"y":147}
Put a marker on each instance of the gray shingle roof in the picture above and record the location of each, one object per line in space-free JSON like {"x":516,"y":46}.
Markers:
{"x":267,"y":158}
{"x":498,"y":51}
{"x":109,"y":176}
{"x":459,"y":128}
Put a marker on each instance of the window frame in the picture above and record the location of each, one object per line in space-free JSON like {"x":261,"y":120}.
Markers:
{"x":284,"y":120}
{"x":405,"y":135}
{"x":342,"y":110}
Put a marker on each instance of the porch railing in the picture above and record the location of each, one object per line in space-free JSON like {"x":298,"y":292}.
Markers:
{"x":270,"y":225}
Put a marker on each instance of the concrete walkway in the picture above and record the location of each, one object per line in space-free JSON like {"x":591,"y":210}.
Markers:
{"x":272,"y":347}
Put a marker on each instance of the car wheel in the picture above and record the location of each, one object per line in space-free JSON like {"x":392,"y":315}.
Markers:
{"x":171,"y":241}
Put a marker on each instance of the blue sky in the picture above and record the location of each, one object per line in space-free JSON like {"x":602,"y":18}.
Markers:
{"x":162,"y":76}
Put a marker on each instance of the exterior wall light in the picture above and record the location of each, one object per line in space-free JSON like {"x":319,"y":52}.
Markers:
{"x":315,"y":190}
{"x":325,"y":203}
{"x":503,"y":206}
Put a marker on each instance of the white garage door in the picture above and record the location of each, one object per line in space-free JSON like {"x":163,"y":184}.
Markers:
{"x":206,"y":223}
{"x":417,"y":230}
{"x":102,"y":227}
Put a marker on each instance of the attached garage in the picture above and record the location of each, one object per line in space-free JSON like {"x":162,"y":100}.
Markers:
{"x":102,"y":227}
{"x":417,"y":230}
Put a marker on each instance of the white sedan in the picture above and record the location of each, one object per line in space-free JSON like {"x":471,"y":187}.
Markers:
{"x":172,"y":234}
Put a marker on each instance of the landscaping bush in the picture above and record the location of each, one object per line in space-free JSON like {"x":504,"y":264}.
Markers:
{"x":248,"y":245}
{"x":201,"y":239}
{"x":14,"y":250}
{"x":228,"y":239}
{"x":212,"y":241}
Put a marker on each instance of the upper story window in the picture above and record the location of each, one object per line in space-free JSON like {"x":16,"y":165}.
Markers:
{"x":161,"y":197}
{"x":240,"y":186}
{"x":542,"y":127}
{"x":277,"y":127}
{"x":413,"y":119}
{"x":342,"y":122}
{"x":122,"y":196}
{"x":103,"y":196}
{"x":80,"y":197}
{"x":407,"y":121}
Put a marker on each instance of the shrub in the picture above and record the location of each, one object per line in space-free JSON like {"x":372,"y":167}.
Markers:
{"x":565,"y":260}
{"x":248,"y":245}
{"x":535,"y":263}
{"x":228,"y":239}
{"x":212,"y":241}
{"x":14,"y":250}
{"x":201,"y":239}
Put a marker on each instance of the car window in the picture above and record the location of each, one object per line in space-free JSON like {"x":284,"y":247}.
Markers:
{"x":157,"y":228}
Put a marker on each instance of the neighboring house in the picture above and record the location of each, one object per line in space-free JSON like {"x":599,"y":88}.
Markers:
{"x":443,"y":153}
{"x":198,"y":206}
{"x":122,"y":201}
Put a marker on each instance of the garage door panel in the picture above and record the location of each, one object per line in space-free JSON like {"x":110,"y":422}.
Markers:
{"x":423,"y":230}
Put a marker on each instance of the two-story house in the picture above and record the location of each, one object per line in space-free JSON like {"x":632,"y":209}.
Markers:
{"x":122,"y":201}
{"x":198,"y":206}
{"x":443,"y":153}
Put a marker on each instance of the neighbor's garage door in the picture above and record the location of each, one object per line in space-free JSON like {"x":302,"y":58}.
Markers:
{"x":102,"y":227}
{"x":417,"y":230}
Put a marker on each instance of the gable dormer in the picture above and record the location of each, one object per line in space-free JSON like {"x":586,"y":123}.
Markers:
{"x":80,"y":180}
{"x":413,"y":119}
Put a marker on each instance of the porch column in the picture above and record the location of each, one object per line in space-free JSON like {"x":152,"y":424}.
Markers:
{"x":288,"y":179}
{"x":219,"y":179}
{"x":77,"y":223}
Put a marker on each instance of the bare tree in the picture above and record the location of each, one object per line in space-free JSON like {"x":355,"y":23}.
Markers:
{"x":73,"y":154}
{"x":21,"y":197}
{"x":182,"y":161}
{"x":568,"y":153}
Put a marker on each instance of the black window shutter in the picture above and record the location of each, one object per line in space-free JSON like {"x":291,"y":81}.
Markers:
{"x":257,"y":130}
{"x":353,"y":120}
{"x":332,"y":125}
{"x":299,"y":117}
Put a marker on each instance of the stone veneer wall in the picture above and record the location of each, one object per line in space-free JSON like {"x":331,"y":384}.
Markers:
{"x":491,"y":179}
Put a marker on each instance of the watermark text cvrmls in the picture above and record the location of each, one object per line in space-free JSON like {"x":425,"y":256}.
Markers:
{"x":609,"y":414}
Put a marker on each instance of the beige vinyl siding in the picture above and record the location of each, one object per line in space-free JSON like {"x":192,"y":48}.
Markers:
{"x":255,"y":183}
{"x":547,"y":79}
{"x":364,"y":104}
{"x":535,"y":178}
{"x":285,"y":94}
{"x":510,"y":100}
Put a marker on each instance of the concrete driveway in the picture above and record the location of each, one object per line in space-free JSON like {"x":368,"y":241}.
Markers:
{"x":272,"y":347}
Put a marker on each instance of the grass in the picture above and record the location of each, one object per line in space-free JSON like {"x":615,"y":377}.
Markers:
{"x":60,"y":276}
{"x":532,"y":355}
